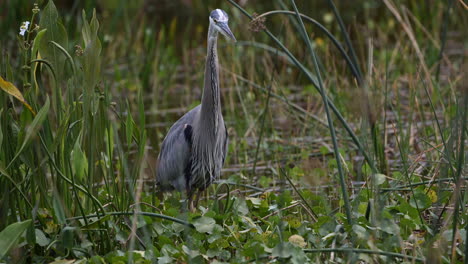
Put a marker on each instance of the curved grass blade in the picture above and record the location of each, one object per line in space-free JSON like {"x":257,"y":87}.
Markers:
{"x":65,"y":52}
{"x":48,"y":65}
{"x":165,"y":217}
{"x":6,"y":175}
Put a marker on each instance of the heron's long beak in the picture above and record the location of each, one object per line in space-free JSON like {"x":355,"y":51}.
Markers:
{"x":226,"y":31}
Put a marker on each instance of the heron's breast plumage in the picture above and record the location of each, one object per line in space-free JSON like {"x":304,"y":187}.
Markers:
{"x":208,"y":152}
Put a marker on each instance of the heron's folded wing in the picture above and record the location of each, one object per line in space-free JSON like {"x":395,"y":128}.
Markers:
{"x":174,"y":158}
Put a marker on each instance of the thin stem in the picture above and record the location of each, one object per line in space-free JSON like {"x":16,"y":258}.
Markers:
{"x":345,"y":36}
{"x":364,"y":251}
{"x":262,"y":127}
{"x":309,"y":208}
{"x":165,"y":217}
{"x":405,"y":187}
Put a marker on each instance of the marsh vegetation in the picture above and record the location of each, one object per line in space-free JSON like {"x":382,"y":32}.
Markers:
{"x":346,"y":121}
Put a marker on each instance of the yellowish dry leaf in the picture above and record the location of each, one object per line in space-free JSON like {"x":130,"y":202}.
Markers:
{"x":11,"y":89}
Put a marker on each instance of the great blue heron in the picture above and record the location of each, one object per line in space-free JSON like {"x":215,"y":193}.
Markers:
{"x":194,"y":150}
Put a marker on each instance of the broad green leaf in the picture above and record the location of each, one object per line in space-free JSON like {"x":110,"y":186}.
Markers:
{"x":389,"y":226}
{"x":420,"y":200}
{"x":92,"y":50}
{"x":80,"y":162}
{"x":11,"y":89}
{"x":406,"y":208}
{"x":10,"y":235}
{"x":366,"y":169}
{"x":35,"y":55}
{"x":67,"y":235}
{"x":36,"y":42}
{"x":298,"y":256}
{"x":204,"y":224}
{"x":41,"y":238}
{"x":90,"y":62}
{"x":360,"y":231}
{"x":33,"y":128}
{"x":241,"y":206}
{"x":165,"y":260}
{"x":252,"y":249}
{"x":283,"y":250}
{"x":55,"y":32}
{"x":379,"y":178}
{"x":190,"y":252}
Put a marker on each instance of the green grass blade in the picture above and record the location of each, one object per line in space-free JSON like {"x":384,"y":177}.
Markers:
{"x":461,"y":164}
{"x":347,"y":40}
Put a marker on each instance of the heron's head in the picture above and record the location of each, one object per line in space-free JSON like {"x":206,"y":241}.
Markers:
{"x":219,"y":20}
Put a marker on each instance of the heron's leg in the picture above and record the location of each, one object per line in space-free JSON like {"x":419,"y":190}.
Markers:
{"x":192,"y":207}
{"x":190,"y":194}
{"x":194,"y":202}
{"x":197,"y":198}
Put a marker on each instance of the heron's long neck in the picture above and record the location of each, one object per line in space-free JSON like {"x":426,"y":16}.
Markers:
{"x":211,"y":103}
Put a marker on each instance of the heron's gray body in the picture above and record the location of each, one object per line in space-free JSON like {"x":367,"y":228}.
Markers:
{"x":194,"y":150}
{"x":188,"y":160}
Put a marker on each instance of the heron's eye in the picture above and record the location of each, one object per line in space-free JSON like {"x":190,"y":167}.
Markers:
{"x":215,"y":20}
